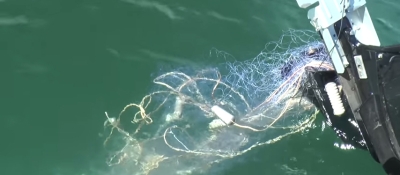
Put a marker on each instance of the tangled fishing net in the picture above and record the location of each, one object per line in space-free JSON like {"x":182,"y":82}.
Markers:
{"x":176,"y":129}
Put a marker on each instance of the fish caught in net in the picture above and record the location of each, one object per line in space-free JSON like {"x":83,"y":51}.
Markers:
{"x":197,"y":118}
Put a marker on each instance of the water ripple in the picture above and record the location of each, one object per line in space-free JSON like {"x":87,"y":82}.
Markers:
{"x":156,"y":5}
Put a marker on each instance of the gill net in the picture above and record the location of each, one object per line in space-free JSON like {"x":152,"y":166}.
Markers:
{"x":173,"y":130}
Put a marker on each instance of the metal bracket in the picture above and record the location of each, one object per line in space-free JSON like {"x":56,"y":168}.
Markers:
{"x":360,"y":67}
{"x":328,"y":12}
{"x":334,"y":48}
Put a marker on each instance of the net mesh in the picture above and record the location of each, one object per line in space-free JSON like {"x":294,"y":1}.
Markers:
{"x":172,"y":130}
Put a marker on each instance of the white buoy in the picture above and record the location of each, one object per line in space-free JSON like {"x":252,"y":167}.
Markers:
{"x":334,"y":97}
{"x":225,"y":116}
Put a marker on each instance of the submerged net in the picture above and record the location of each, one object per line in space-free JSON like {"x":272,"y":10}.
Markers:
{"x":173,"y":130}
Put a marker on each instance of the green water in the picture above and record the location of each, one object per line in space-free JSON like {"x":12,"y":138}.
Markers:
{"x":65,"y":62}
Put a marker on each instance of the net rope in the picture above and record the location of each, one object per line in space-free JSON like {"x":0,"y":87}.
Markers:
{"x":172,"y":130}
